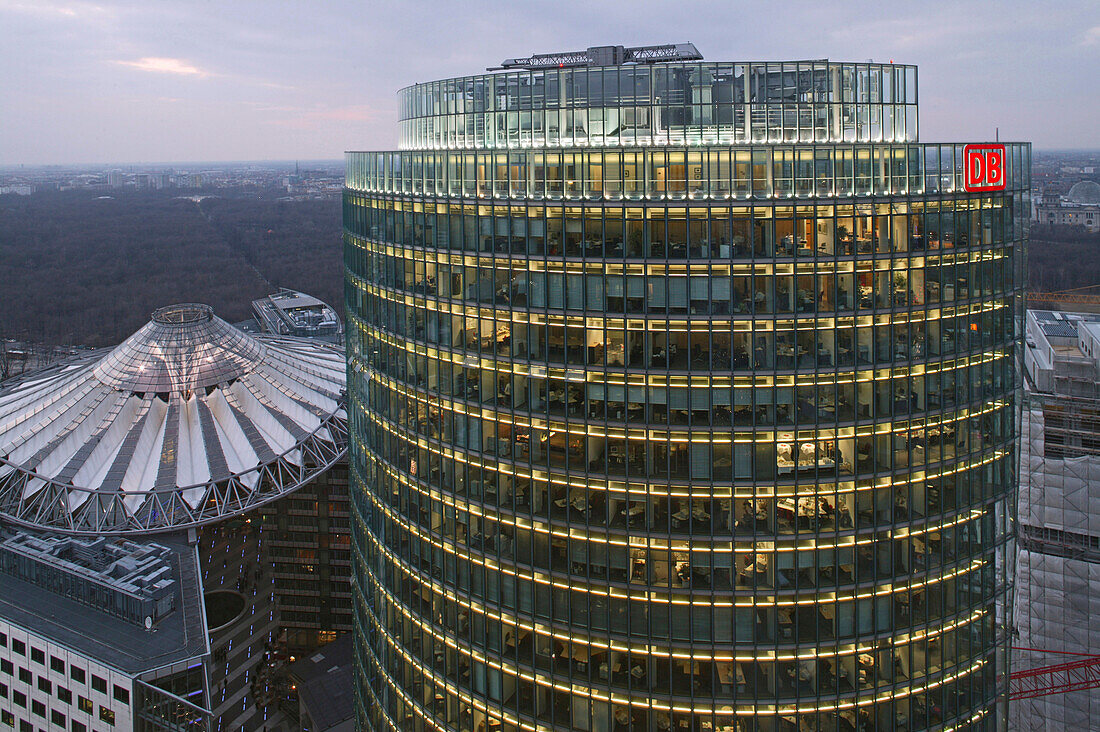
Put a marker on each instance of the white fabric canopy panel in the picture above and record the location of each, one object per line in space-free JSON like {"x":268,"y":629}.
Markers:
{"x":169,"y":429}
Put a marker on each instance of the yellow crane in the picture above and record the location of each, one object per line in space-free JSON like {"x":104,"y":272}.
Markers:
{"x":1072,"y":296}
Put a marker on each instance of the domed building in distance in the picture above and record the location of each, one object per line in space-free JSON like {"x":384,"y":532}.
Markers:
{"x":1084,"y":192}
{"x":147,"y":471}
{"x":1079,"y":207}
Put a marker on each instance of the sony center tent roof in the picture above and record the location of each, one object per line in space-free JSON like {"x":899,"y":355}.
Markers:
{"x":187,"y":421}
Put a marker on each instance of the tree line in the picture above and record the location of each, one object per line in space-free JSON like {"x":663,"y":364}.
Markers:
{"x":82,"y":268}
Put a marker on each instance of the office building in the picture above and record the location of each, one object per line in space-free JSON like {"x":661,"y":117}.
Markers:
{"x":1057,"y":602}
{"x":309,"y":534}
{"x":683,"y":398}
{"x":98,"y":634}
{"x":309,"y":546}
{"x":189,"y":430}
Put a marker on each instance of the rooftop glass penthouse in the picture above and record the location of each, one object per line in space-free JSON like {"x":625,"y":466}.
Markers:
{"x":683,"y":398}
{"x":661,"y":103}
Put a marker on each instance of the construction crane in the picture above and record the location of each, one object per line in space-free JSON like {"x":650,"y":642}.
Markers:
{"x":1076,"y":675}
{"x":1072,"y":296}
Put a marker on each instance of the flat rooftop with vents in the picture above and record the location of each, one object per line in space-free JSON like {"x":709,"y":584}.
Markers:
{"x":131,"y":605}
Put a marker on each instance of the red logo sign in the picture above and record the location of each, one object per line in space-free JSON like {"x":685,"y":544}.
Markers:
{"x":985,"y":168}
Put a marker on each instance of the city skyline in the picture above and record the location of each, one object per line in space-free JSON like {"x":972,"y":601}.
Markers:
{"x":121,"y":82}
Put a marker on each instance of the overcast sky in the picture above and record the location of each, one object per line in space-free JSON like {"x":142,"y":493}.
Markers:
{"x":194,"y":80}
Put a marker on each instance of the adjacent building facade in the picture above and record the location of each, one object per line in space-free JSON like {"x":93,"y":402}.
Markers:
{"x":682,"y":397}
{"x":1057,"y":603}
{"x":309,"y":549}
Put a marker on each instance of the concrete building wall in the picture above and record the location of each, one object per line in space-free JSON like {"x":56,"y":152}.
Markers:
{"x":55,"y":680}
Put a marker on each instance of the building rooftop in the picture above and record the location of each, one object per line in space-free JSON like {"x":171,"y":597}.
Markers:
{"x":1062,"y":353}
{"x":188,"y":420}
{"x":178,"y":636}
{"x":288,"y":312}
{"x":326,"y":684}
{"x":131,"y":580}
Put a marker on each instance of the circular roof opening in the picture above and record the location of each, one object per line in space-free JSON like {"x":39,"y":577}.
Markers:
{"x":223,"y":607}
{"x":183,"y":313}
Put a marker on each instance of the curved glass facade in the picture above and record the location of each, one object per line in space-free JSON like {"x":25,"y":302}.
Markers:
{"x":663,"y":103}
{"x":691,"y":437}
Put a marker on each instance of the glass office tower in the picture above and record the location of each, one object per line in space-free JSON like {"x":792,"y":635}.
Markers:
{"x":682,"y":399}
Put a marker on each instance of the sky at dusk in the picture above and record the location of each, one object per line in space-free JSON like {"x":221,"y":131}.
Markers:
{"x":194,"y":80}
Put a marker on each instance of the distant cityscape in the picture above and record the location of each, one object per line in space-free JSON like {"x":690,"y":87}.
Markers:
{"x":301,"y":181}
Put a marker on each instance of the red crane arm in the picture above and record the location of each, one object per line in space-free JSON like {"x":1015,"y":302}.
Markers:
{"x":1059,"y":678}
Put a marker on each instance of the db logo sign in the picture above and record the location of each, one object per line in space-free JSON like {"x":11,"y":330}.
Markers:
{"x":985,"y":167}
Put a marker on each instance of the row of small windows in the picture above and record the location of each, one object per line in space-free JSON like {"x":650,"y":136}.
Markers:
{"x":677,"y":174}
{"x":57,"y":718}
{"x":57,"y":665}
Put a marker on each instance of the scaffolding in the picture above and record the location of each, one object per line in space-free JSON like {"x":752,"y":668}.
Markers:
{"x":1056,"y":662}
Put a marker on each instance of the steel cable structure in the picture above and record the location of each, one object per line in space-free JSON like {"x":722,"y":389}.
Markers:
{"x":186,"y":422}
